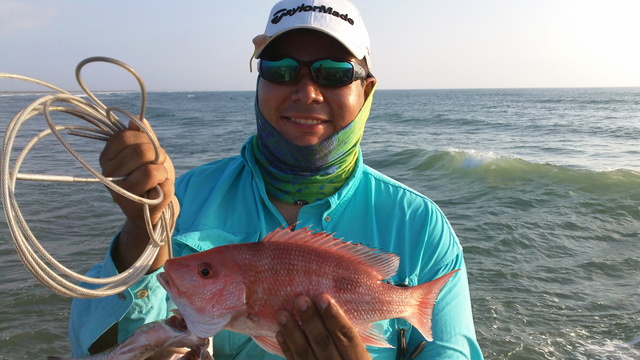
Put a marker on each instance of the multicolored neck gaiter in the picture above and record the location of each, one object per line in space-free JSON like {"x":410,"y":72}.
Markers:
{"x":305,"y":174}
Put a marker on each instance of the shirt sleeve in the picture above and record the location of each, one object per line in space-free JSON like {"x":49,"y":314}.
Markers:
{"x":439,"y":253}
{"x":452,"y":320}
{"x":143,"y":302}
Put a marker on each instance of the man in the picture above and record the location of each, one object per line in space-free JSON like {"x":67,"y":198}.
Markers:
{"x":304,"y":167}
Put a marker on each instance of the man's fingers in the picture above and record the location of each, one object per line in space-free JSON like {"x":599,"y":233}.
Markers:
{"x":314,"y":326}
{"x":144,"y":179}
{"x":286,"y":350}
{"x":311,"y":339}
{"x":124,"y":161}
{"x":324,"y":332}
{"x":134,"y":126}
{"x":345,"y":336}
{"x":292,"y":339}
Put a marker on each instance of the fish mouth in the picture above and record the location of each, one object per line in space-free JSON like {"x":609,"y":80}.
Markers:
{"x":173,"y":289}
{"x":187,"y":318}
{"x":165,"y":280}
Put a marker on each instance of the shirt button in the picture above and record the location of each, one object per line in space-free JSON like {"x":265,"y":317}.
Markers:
{"x":141,"y":294}
{"x":327,"y":218}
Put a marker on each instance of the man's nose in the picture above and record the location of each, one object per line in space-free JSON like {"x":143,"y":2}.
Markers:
{"x":306,"y":89}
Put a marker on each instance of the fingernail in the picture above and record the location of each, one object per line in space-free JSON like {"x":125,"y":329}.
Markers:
{"x":282,"y":319}
{"x":302,"y":304}
{"x":323,"y":302}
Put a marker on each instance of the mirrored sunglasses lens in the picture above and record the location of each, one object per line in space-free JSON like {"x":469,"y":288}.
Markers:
{"x":332,"y":73}
{"x":279,"y":71}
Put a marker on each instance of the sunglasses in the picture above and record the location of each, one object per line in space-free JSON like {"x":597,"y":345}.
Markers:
{"x":326,"y":72}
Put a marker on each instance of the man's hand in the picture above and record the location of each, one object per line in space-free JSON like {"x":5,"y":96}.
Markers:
{"x":130,"y":153}
{"x":326,"y":333}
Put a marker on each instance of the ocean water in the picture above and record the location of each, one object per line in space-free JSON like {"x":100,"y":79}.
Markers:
{"x":541,"y":185}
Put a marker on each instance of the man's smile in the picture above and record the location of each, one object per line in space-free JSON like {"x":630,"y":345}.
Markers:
{"x":304,"y":121}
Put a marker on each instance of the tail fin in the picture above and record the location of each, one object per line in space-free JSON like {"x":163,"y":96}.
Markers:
{"x":427,"y":294}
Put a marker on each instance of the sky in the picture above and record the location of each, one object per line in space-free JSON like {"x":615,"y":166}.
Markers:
{"x":205,"y":45}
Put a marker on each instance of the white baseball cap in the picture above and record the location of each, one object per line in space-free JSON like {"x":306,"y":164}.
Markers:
{"x":338,"y":18}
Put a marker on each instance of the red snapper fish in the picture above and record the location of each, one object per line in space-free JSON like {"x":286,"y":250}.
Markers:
{"x":240,"y":287}
{"x":167,"y":339}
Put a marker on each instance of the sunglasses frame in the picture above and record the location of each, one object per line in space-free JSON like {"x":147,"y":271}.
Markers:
{"x":358,"y":72}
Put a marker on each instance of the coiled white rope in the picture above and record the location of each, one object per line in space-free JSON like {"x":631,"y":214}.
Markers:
{"x":102,"y":124}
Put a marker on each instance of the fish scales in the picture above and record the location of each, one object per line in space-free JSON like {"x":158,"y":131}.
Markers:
{"x":277,"y":272}
{"x":241,"y":287}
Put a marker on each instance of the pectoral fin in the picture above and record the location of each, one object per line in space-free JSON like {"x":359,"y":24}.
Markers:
{"x":269,"y":344}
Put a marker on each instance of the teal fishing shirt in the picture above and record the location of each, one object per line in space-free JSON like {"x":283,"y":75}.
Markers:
{"x":225,"y":202}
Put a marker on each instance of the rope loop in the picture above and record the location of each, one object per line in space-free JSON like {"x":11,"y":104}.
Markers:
{"x":102,"y":123}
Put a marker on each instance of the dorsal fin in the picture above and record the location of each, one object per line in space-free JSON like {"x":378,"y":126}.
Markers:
{"x":385,"y":264}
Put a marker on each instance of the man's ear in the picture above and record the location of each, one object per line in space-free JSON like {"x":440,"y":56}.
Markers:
{"x":369,"y":84}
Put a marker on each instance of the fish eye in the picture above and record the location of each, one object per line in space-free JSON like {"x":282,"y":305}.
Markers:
{"x":205,"y":271}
